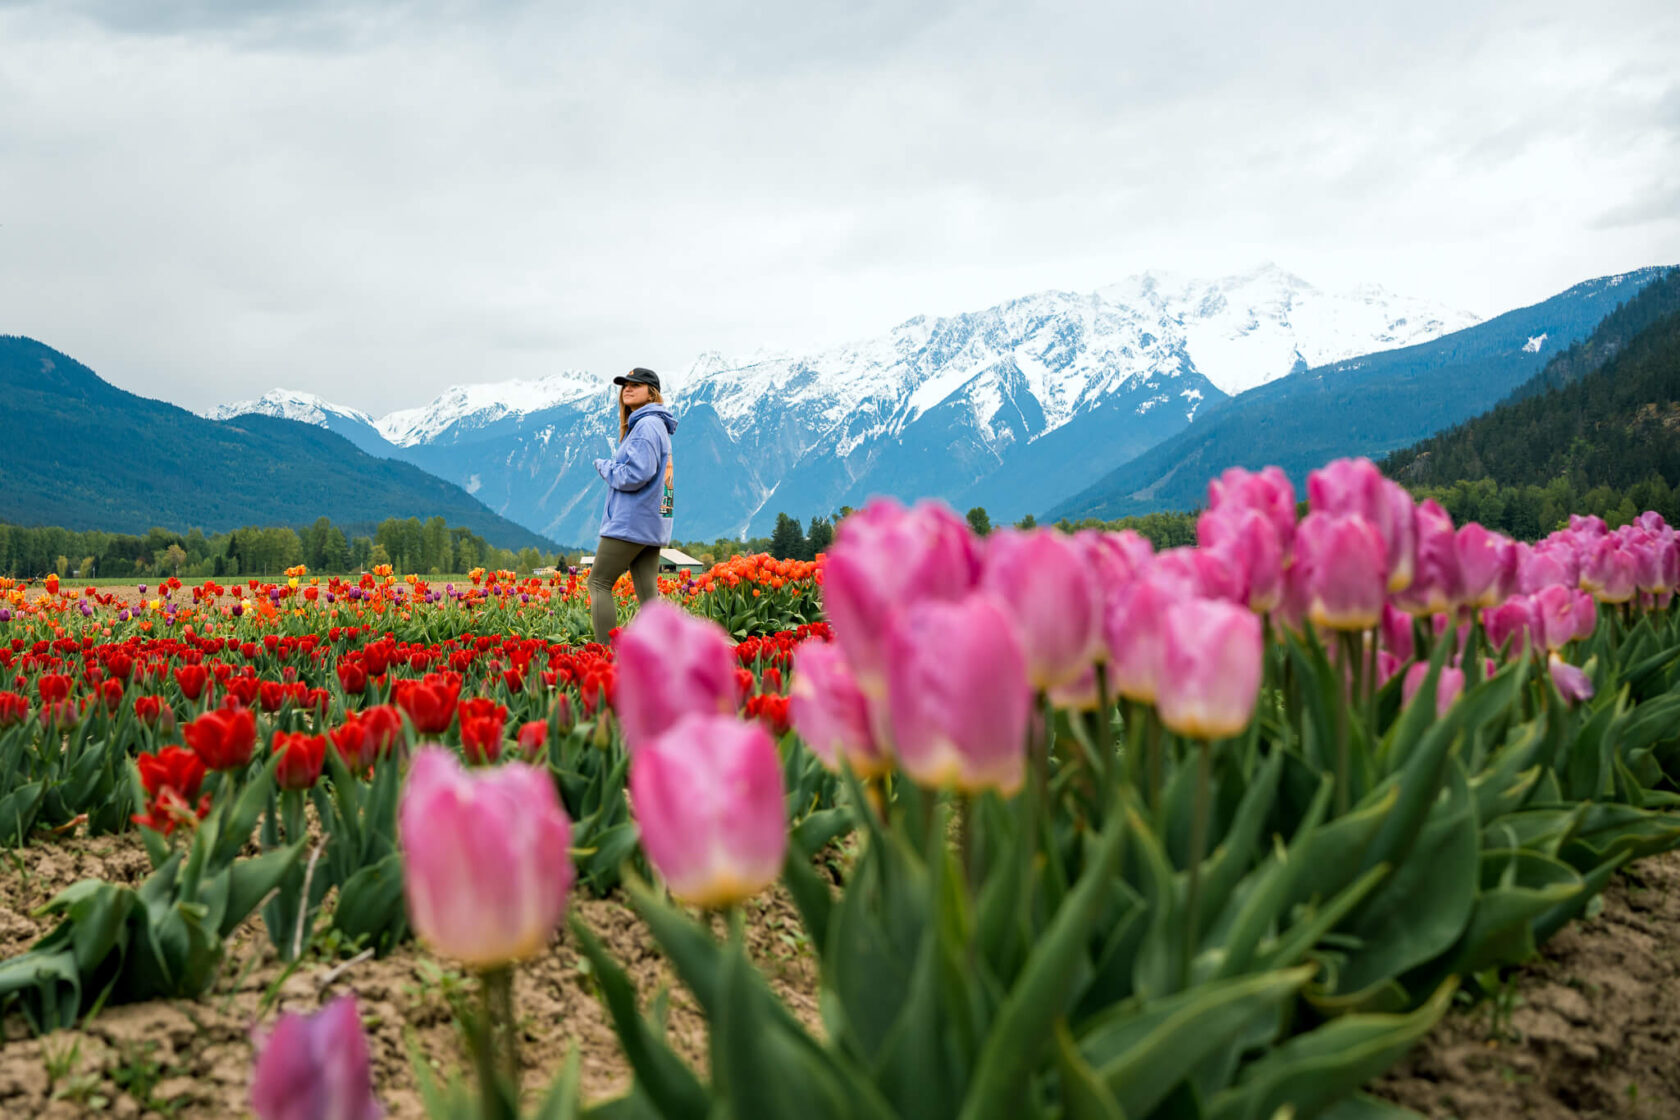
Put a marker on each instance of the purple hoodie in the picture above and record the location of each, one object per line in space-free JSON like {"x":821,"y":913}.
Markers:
{"x":636,"y":479}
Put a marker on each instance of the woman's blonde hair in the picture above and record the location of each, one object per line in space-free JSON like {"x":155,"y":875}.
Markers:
{"x":625,"y":410}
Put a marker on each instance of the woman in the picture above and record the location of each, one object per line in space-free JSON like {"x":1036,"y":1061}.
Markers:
{"x":637,"y":521}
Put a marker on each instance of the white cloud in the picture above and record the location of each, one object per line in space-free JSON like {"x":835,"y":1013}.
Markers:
{"x":374,"y":200}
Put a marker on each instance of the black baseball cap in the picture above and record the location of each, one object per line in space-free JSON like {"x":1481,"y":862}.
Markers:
{"x":639,"y":376}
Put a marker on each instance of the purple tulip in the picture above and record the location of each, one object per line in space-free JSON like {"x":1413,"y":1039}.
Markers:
{"x":1338,"y":574}
{"x":315,"y":1067}
{"x":1044,"y":581}
{"x":1212,"y":667}
{"x":487,"y":864}
{"x":1572,"y":683}
{"x":958,"y":696}
{"x":707,"y":796}
{"x":885,"y":558}
{"x":670,"y":664}
{"x":1267,"y":492}
{"x":830,"y":712}
{"x":1448,"y":686}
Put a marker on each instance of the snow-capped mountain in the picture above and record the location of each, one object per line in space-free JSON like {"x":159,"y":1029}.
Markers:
{"x":1255,"y":327}
{"x":290,"y":404}
{"x":1013,"y":407}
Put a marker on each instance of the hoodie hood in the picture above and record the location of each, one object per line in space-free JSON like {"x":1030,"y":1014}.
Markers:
{"x":654,"y":408}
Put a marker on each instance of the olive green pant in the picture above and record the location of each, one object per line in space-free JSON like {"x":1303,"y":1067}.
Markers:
{"x":613,"y":558}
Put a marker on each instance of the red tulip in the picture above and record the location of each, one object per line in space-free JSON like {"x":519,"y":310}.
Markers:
{"x":53,"y":687}
{"x":482,"y":723}
{"x":14,"y":709}
{"x":532,"y":738}
{"x":223,"y":739}
{"x":429,"y":703}
{"x":301,"y":757}
{"x":352,"y":678}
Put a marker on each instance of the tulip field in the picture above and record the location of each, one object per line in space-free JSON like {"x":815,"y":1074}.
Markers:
{"x":1029,"y":825}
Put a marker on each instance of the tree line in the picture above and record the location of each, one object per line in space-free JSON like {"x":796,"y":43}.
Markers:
{"x":407,"y":544}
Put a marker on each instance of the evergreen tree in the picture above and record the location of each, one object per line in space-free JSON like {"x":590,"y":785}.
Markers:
{"x":980,"y":522}
{"x":788,"y":539}
{"x":1027,"y":522}
{"x":819,"y":536}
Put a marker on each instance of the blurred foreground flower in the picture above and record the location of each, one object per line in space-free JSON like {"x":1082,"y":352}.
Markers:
{"x":315,"y":1067}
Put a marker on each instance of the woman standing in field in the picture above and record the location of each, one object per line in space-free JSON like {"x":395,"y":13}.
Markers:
{"x":638,"y":517}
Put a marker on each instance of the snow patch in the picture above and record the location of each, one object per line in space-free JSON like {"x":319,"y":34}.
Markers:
{"x":1532,"y":346}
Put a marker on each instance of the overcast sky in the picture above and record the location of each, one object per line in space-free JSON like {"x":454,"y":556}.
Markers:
{"x":374,"y":199}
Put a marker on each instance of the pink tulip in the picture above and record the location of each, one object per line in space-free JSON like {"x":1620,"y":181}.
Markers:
{"x":1387,"y":666}
{"x":1544,"y":565}
{"x":1586,"y":615}
{"x":315,"y":1067}
{"x":1487,"y":563}
{"x":1213,"y":657}
{"x":1044,"y":580}
{"x":1248,"y":543}
{"x":1338,"y":571}
{"x":1512,"y":622}
{"x":1448,"y":686}
{"x":1267,"y":492}
{"x":1134,"y":622}
{"x":1397,"y":633}
{"x":1080,"y":694}
{"x":1116,"y":557}
{"x":487,"y":864}
{"x":1572,"y":683}
{"x":707,"y":795}
{"x":1555,"y":609}
{"x":1436,"y":582}
{"x":1610,"y":571}
{"x":830,"y":712}
{"x":958,"y":696}
{"x":1350,"y":487}
{"x":884,"y":558}
{"x":1590,"y":525}
{"x":670,"y":664}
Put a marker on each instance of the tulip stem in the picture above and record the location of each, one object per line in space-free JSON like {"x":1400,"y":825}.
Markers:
{"x":1155,"y":766}
{"x":1198,"y":848}
{"x":498,"y":1073}
{"x":1342,"y":729}
{"x":1105,"y":744}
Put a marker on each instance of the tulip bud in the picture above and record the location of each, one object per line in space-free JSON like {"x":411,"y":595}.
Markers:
{"x":1213,"y":657}
{"x":1555,"y":608}
{"x":222,"y":739}
{"x":1610,"y":571}
{"x":958,"y":696}
{"x":315,"y":1067}
{"x":707,"y":797}
{"x":671,"y":664}
{"x":1511,"y":626}
{"x":1248,"y":543}
{"x":830,"y":712}
{"x":1045,"y":583}
{"x":1355,"y":487}
{"x":486,"y":858}
{"x":1397,"y":633}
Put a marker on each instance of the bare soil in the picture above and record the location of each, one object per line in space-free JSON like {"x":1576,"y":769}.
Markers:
{"x":1591,"y":1030}
{"x":192,"y":1059}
